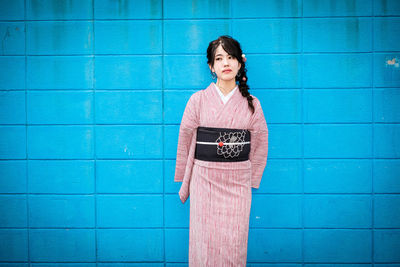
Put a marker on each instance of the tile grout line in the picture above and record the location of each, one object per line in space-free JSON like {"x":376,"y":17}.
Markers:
{"x":94,"y":132}
{"x":163,"y":128}
{"x":302,"y":132}
{"x":372,"y":137}
{"x":26,"y":139}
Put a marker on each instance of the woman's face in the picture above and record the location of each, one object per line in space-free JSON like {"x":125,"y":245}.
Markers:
{"x":224,"y":62}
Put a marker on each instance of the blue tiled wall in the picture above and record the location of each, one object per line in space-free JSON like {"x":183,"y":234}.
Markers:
{"x":92,"y":93}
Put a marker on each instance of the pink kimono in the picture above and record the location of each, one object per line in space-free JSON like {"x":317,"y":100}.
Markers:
{"x":220,"y":192}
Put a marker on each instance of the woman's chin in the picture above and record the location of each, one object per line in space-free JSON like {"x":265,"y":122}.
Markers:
{"x":227,"y":77}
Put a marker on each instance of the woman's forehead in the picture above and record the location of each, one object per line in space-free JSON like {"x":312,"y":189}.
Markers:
{"x":220,"y":51}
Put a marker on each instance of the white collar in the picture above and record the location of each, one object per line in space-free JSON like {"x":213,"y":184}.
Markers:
{"x":223,"y":97}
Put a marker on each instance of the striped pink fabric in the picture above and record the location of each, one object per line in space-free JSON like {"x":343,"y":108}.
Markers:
{"x":220,"y":192}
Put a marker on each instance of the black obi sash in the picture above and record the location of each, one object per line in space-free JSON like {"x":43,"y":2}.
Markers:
{"x":222,"y":144}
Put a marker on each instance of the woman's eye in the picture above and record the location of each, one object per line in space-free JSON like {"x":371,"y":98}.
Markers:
{"x":218,"y":58}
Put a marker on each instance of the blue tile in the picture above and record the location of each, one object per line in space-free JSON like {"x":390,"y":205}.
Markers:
{"x":137,"y":176}
{"x":49,"y":107}
{"x":265,"y":9}
{"x":175,"y":102}
{"x":196,"y":9}
{"x":13,"y":41}
{"x":176,"y":213}
{"x":62,"y":245}
{"x":337,"y":245}
{"x":60,"y":142}
{"x":387,"y":70}
{"x":337,"y":141}
{"x":337,"y":211}
{"x":61,"y":211}
{"x":387,"y":211}
{"x":13,"y":211}
{"x":170,"y":186}
{"x":61,"y":176}
{"x":128,"y":107}
{"x":386,"y":8}
{"x":170,"y":142}
{"x":281,"y":176}
{"x":12,"y":10}
{"x":386,"y":176}
{"x":386,"y":103}
{"x":130,"y":211}
{"x":337,"y":176}
{"x":192,"y":36}
{"x":275,"y":265}
{"x":194,"y":75}
{"x":12,"y":142}
{"x":386,"y":34}
{"x":247,"y":31}
{"x":280,"y":105}
{"x":337,"y":70}
{"x":386,"y":246}
{"x":128,"y":37}
{"x":386,"y":138}
{"x":59,"y":38}
{"x":342,"y":105}
{"x":110,"y":9}
{"x":337,"y":35}
{"x":12,"y":107}
{"x":339,"y":265}
{"x":52,"y":10}
{"x":276,"y":211}
{"x":274,"y":245}
{"x":15,"y":265}
{"x":12,"y":74}
{"x":274,"y":71}
{"x":328,"y":8}
{"x":13,"y":176}
{"x":60,"y":72}
{"x":141,"y":264}
{"x":176,"y":245}
{"x":128,"y":72}
{"x":14,"y":245}
{"x":63,"y":264}
{"x":284,"y":141}
{"x":130,"y":245}
{"x":129,"y":142}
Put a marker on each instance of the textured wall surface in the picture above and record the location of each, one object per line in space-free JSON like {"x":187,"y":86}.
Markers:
{"x":91,"y":97}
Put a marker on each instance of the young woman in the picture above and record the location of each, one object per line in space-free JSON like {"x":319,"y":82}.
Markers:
{"x":222,"y":153}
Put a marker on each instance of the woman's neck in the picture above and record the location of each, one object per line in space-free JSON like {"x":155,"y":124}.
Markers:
{"x":226,"y":86}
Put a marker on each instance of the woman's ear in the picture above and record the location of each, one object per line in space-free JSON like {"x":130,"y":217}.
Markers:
{"x":210,"y":67}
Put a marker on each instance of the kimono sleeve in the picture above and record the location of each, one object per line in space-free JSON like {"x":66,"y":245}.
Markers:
{"x":259,"y":144}
{"x":189,"y":124}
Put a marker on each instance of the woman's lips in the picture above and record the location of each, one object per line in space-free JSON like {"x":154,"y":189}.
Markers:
{"x":226,"y":71}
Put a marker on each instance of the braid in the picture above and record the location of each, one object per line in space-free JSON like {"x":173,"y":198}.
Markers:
{"x":243,"y":87}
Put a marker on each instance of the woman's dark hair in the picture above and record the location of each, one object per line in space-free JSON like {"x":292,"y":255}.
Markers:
{"x":232,"y":47}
